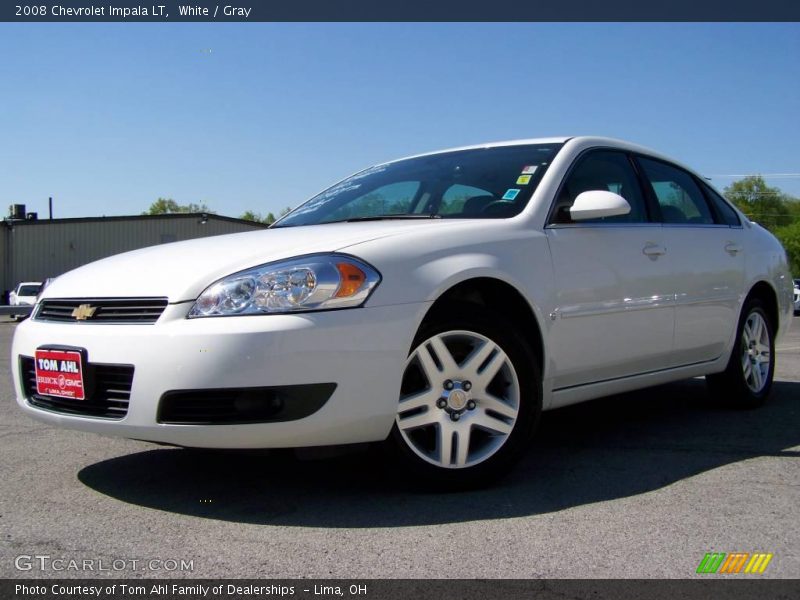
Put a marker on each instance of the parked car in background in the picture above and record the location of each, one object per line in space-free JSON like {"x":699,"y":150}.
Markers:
{"x":24,"y":295}
{"x":797,"y":297}
{"x":437,"y":303}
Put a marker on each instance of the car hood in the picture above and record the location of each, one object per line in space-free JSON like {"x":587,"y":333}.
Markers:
{"x":182,"y":270}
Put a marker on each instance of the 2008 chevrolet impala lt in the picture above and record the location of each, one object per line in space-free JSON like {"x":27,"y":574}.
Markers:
{"x":437,"y":303}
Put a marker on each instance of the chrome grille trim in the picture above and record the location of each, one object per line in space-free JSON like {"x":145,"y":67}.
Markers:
{"x":107,"y":310}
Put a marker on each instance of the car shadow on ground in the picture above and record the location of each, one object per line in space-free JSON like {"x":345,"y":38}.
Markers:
{"x":602,"y":450}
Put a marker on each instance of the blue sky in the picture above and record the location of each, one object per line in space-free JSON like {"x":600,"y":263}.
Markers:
{"x":108,"y":117}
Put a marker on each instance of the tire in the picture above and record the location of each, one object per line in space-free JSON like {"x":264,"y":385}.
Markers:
{"x":470,"y":400}
{"x":747,"y":380}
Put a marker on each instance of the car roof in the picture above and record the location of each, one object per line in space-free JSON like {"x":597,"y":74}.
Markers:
{"x":584,"y":140}
{"x":520,"y":142}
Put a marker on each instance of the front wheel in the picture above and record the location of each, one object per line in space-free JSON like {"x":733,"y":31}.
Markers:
{"x":469,"y":401}
{"x":747,"y":380}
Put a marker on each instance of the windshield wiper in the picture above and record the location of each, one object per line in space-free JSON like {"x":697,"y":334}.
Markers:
{"x":389,"y":218}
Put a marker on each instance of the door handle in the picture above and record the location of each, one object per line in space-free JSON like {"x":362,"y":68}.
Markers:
{"x":654,"y":250}
{"x":733,"y":249}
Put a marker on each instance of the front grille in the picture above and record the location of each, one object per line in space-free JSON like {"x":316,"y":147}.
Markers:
{"x":108,"y":391}
{"x":106,"y":310}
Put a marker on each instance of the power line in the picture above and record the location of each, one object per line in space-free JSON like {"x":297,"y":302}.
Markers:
{"x":765,"y":175}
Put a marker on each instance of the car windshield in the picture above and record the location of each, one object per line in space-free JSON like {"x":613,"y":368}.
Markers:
{"x":29,"y":290}
{"x":482,"y":183}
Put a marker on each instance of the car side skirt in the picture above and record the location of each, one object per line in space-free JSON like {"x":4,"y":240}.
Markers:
{"x":580,"y":393}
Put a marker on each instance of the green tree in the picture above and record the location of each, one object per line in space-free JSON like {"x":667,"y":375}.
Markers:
{"x":763,"y":204}
{"x":790,"y":238}
{"x":166,"y":206}
{"x":256,"y":217}
{"x":793,"y":205}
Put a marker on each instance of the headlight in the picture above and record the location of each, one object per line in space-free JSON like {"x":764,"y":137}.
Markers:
{"x":317,"y":282}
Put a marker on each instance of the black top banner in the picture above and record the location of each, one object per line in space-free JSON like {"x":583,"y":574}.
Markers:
{"x":405,"y":10}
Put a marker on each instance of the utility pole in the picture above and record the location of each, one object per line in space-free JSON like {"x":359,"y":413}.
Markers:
{"x":51,"y":207}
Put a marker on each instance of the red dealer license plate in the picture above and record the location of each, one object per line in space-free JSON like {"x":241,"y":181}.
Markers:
{"x":59,"y":373}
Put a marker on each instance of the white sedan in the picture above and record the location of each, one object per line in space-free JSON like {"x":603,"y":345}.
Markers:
{"x":24,"y":294}
{"x":438,"y":303}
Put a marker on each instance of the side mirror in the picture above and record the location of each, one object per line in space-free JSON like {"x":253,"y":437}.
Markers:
{"x":596,"y":204}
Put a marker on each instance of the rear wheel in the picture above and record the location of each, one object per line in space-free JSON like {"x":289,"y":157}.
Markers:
{"x":469,"y":401}
{"x":747,"y":380}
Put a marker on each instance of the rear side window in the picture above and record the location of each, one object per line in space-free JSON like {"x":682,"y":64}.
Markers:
{"x":724,"y":210}
{"x":604,"y":170}
{"x":679,"y":197}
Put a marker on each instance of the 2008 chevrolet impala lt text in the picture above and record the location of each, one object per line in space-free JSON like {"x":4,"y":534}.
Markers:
{"x":437,"y":304}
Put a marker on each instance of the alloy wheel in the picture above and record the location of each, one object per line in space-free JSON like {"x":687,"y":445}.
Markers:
{"x":459,"y":400}
{"x":756,"y":362}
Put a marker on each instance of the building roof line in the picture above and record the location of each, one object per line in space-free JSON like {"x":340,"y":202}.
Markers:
{"x":169,"y":216}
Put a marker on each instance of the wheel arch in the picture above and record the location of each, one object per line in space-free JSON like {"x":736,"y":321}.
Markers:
{"x":767,"y":294}
{"x":491,"y":292}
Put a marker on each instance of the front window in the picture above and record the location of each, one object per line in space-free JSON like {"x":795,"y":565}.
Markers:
{"x":484,"y":183}
{"x":608,"y":171}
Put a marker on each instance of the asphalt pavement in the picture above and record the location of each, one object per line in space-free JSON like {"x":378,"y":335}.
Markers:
{"x":639,"y":485}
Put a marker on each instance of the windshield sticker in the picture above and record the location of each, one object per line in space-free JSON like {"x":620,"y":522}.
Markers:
{"x":529,"y":169}
{"x":523,"y":180}
{"x":510,"y":194}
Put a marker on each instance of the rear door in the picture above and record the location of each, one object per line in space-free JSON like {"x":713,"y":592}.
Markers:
{"x":615,"y":311}
{"x":703,"y":237}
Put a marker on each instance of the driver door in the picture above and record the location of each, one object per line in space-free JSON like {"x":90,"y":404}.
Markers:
{"x":615,"y":312}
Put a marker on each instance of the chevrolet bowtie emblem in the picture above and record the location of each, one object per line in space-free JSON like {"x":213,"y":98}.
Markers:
{"x":83,"y":312}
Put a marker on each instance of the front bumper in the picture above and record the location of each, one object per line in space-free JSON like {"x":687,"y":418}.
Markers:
{"x":362,"y":351}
